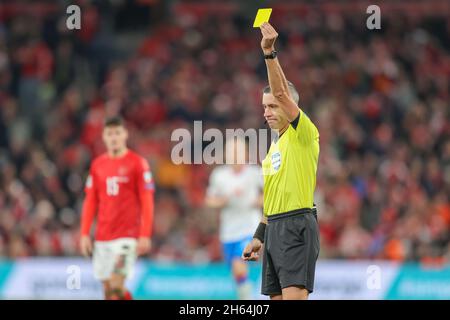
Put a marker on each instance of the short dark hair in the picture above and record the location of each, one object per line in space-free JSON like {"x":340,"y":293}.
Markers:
{"x":114,"y":121}
{"x":292,"y":89}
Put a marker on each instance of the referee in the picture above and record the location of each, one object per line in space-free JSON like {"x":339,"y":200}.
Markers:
{"x":289,"y":227}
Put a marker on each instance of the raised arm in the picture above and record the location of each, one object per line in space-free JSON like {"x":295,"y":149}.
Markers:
{"x":277,"y":80}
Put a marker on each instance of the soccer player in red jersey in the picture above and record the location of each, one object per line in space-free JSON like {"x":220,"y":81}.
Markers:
{"x":119,"y":191}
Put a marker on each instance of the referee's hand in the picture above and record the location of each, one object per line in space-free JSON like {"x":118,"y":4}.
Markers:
{"x":269,"y":37}
{"x":252,"y":250}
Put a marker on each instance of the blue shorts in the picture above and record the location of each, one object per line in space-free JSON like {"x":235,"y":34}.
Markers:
{"x":233,"y":250}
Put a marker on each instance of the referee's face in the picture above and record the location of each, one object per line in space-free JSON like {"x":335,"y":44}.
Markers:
{"x":273,"y":113}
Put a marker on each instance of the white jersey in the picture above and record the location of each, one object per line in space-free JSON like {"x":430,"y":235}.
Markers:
{"x":240,"y":217}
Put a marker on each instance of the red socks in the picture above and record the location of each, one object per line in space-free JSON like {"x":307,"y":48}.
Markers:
{"x":127,"y":296}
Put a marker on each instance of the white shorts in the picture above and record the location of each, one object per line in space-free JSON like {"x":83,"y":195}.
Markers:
{"x":114,"y":256}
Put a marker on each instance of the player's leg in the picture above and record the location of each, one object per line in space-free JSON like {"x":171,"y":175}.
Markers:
{"x":228,"y":249}
{"x":240,"y":270}
{"x":232,"y":255}
{"x":276,"y":297}
{"x":124,"y":260}
{"x":117,"y":286}
{"x":102,"y":263}
{"x":240,"y":274}
{"x":106,"y":289}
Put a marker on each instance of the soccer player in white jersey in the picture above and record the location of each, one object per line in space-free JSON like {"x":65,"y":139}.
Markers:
{"x":236,"y":190}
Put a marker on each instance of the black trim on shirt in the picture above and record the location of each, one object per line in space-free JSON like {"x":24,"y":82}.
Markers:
{"x":294,"y":122}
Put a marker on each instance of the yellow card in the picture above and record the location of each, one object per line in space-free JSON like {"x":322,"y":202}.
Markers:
{"x":262,"y":16}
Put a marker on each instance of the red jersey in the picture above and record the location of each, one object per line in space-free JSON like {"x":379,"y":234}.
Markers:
{"x":120,"y":191}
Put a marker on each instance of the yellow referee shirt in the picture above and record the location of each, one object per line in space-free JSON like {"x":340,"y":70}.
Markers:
{"x":290,"y":168}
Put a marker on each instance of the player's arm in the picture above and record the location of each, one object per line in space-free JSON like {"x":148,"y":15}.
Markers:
{"x":213,"y":198}
{"x":216,"y":202}
{"x":146,"y":189}
{"x":89,"y":209}
{"x":277,"y":80}
{"x":253,"y":249}
{"x":259,"y":203}
{"x":147,"y":210}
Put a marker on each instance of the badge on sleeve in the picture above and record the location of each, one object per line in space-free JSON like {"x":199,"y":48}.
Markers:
{"x":148,"y":181}
{"x":147,"y":176}
{"x":89,"y":182}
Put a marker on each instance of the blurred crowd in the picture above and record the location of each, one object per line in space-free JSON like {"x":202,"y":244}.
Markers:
{"x":379,"y":98}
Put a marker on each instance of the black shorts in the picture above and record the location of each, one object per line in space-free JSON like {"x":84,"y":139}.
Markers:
{"x":291,"y":249}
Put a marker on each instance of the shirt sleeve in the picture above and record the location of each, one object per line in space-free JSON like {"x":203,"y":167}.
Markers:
{"x":306,"y":130}
{"x":146,"y":189}
{"x":214,"y":185}
{"x":258,"y":176}
{"x":89,"y":204}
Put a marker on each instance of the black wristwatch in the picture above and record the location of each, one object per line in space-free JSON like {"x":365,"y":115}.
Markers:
{"x":272,"y":55}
